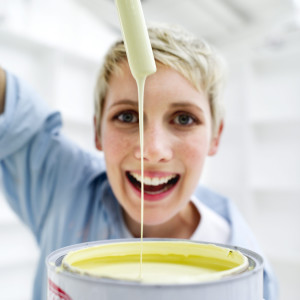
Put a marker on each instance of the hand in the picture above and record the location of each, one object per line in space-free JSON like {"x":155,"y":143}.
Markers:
{"x":2,"y":90}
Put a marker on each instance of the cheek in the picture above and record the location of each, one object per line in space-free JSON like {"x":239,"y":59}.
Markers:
{"x":115,"y":144}
{"x":193,"y":155}
{"x":194,"y":150}
{"x":194,"y":161}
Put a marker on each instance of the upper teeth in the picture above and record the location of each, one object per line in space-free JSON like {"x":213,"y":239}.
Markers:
{"x":152,"y":180}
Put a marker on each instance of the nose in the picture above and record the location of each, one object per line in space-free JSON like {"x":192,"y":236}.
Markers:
{"x":157,"y":145}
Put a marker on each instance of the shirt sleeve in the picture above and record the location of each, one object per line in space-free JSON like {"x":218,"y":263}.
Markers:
{"x":23,"y":116}
{"x":38,"y":164}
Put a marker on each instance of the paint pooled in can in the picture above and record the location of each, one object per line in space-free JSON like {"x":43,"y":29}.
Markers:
{"x":177,"y":268}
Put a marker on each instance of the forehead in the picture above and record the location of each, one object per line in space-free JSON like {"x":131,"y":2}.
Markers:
{"x":166,"y":82}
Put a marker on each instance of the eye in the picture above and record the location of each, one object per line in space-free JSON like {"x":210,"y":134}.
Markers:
{"x":184,"y":119}
{"x":127,"y":117}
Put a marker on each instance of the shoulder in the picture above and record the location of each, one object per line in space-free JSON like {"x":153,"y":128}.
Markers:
{"x":213,"y":200}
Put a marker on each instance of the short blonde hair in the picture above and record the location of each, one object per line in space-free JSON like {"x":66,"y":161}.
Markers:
{"x":172,"y":46}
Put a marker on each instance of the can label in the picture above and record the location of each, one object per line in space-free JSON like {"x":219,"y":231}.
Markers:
{"x":56,"y":293}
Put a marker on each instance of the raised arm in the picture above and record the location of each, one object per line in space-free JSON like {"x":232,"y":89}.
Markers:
{"x":2,"y":90}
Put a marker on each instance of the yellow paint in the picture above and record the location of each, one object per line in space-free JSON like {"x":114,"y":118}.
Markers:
{"x":137,"y":42}
{"x":142,"y":64}
{"x":164,"y":262}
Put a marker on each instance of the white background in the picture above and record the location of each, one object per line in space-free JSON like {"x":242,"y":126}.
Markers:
{"x":258,"y":165}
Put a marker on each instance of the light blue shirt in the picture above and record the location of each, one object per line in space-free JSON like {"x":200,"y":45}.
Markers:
{"x":62,"y":192}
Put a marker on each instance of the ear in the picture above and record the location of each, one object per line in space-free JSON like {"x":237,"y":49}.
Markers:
{"x":214,"y":145}
{"x":97,"y":136}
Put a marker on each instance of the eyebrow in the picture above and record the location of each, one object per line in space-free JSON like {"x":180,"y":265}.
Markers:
{"x":125,"y":101}
{"x":187,"y":104}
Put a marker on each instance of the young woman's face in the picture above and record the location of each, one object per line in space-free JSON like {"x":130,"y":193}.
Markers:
{"x":177,"y":139}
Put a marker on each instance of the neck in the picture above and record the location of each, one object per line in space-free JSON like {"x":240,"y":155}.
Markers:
{"x":181,"y":226}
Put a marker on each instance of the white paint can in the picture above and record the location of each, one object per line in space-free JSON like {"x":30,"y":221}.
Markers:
{"x":239,"y":274}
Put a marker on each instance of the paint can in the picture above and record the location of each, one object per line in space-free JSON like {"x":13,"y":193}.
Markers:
{"x":243,"y":281}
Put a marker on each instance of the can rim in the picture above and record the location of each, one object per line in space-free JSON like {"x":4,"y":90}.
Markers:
{"x":54,"y":259}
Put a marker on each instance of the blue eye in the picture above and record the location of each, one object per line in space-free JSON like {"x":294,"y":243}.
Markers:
{"x":184,"y":119}
{"x":128,"y":117}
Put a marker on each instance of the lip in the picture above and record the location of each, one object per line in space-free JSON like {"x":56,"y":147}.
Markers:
{"x":156,"y":197}
{"x":158,"y":174}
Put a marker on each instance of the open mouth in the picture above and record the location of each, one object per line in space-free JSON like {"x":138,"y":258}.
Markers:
{"x":153,"y":185}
